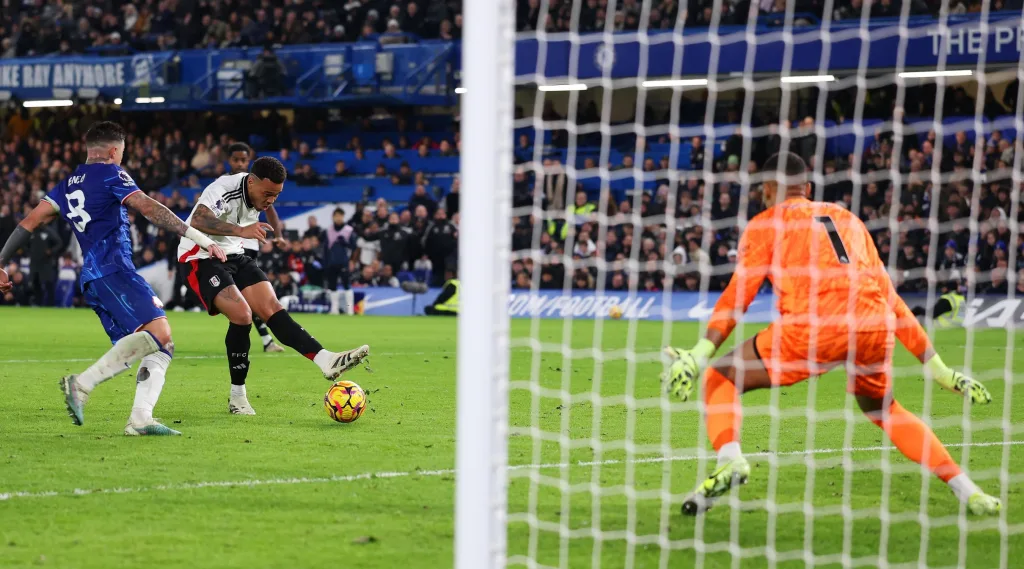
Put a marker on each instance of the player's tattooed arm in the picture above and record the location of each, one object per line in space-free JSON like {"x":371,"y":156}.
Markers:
{"x":204,"y":220}
{"x":166,"y":219}
{"x":156,"y":213}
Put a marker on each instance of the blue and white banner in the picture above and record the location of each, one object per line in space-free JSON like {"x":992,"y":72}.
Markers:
{"x":678,"y":307}
{"x":50,"y":77}
{"x":980,"y":312}
{"x":881,"y":45}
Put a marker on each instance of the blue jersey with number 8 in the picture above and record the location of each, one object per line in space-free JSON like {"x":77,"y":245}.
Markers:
{"x":90,"y":200}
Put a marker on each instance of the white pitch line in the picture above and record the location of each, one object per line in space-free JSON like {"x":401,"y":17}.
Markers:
{"x":5,"y":496}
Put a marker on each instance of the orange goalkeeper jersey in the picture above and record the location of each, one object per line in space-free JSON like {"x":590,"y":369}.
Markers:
{"x":823,"y":266}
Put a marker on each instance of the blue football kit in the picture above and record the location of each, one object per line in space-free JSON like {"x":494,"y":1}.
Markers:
{"x":91,"y":201}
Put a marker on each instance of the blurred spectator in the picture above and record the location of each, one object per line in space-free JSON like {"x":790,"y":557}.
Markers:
{"x":451,"y":200}
{"x":446,"y":150}
{"x":341,"y":241}
{"x":404,"y":175}
{"x":420,"y":198}
{"x":271,"y":259}
{"x":440,"y":245}
{"x":305,"y":176}
{"x":45,"y":248}
{"x":556,"y":185}
{"x":266,"y":78}
{"x":386,"y":277}
{"x":394,"y":244}
{"x":367,"y":277}
{"x":314,"y":230}
{"x":285,"y":286}
{"x":312,"y":261}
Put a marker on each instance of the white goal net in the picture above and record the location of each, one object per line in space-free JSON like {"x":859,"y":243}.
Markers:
{"x":606,"y":220}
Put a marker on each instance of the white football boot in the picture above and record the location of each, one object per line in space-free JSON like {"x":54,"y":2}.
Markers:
{"x":340,"y":362}
{"x":152,"y":427}
{"x":239,"y":405}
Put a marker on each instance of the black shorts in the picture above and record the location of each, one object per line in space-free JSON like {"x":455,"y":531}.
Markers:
{"x":207,"y":277}
{"x":252,"y":253}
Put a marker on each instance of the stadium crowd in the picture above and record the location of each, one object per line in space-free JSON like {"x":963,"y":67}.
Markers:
{"x":707,"y":210}
{"x":379,"y":243}
{"x":593,"y":15}
{"x":66,"y":27}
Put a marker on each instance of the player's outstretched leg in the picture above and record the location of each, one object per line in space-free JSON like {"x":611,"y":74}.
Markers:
{"x":723,"y":384}
{"x":918,"y":443}
{"x":264,"y":303}
{"x":119,"y":358}
{"x":236,"y":343}
{"x":269,"y":345}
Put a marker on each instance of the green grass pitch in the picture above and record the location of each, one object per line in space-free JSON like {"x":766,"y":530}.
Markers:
{"x":290,"y":488}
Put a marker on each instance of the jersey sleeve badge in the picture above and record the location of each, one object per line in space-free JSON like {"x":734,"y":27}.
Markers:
{"x":125,"y":178}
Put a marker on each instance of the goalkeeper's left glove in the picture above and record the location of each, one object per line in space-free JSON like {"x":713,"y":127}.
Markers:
{"x":686,"y":367}
{"x":957,"y":382}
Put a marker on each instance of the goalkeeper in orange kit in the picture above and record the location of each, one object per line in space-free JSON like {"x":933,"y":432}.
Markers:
{"x":837,"y":307}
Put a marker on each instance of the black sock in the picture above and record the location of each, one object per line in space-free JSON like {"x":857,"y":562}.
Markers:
{"x":289,"y":333}
{"x":237,"y":343}
{"x":261,"y":326}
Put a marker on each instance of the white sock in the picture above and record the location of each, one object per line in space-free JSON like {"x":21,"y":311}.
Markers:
{"x":267,"y":339}
{"x":149,"y":382}
{"x":728,"y":452}
{"x":323,"y":359}
{"x":238,"y":391}
{"x":119,"y":358}
{"x":963,"y":487}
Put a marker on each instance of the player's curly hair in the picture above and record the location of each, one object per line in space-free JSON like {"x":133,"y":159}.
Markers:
{"x":269,"y":168}
{"x":105,"y":132}
{"x":240,"y":147}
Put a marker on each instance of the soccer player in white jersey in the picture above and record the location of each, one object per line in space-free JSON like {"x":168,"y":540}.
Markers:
{"x":228,"y":211}
{"x":239,"y":155}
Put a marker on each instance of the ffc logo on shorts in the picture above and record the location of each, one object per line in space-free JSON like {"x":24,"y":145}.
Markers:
{"x":214,"y":280}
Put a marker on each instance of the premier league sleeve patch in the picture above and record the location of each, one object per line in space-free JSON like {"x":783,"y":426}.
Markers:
{"x":126,"y":178}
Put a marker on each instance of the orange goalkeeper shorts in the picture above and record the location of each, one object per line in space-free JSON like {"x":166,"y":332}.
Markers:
{"x":794,"y":352}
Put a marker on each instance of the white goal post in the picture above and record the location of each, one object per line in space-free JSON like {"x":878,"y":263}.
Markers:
{"x":483,"y":355}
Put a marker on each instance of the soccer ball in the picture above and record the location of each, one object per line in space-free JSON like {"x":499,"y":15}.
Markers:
{"x":345,"y":401}
{"x":615,"y":312}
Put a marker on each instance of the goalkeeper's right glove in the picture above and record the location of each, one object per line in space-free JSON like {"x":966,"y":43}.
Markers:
{"x":957,"y":382}
{"x":686,"y":367}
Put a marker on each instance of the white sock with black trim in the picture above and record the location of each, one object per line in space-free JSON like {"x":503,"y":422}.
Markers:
{"x":149,"y":382}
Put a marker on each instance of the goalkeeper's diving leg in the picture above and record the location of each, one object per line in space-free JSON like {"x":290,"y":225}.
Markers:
{"x":918,"y":443}
{"x":723,"y":383}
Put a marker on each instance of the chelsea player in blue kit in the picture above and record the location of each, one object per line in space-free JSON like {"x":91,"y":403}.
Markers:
{"x":92,"y":199}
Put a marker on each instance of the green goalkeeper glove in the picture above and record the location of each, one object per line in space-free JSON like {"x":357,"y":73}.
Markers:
{"x":957,"y":382}
{"x":686,"y":367}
